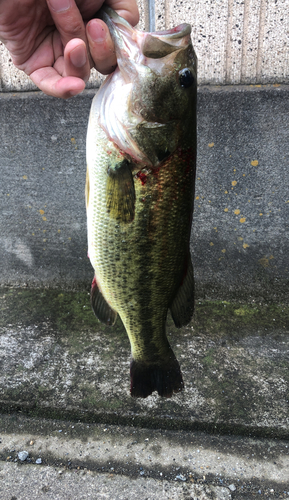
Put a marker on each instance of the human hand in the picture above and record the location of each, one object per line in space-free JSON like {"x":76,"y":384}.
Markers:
{"x":50,"y":42}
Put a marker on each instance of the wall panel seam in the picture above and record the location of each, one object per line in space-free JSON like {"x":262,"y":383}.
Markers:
{"x":152,"y":15}
{"x":259,"y":61}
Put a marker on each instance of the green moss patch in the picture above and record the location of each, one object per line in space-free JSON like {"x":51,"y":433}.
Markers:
{"x":71,"y":311}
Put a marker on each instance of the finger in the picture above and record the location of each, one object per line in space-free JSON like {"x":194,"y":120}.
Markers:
{"x":51,"y":83}
{"x":67,"y":19}
{"x":76,"y":60}
{"x":101,"y":46}
{"x":70,"y":25}
{"x":125,"y":8}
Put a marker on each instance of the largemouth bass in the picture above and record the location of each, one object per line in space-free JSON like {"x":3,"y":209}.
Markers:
{"x":141,"y":161}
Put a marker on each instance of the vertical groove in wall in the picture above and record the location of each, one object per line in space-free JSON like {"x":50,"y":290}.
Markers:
{"x":259,"y":61}
{"x":167,"y":13}
{"x":1,"y":67}
{"x":152,"y":15}
{"x":143,"y":7}
{"x":228,"y":50}
{"x":245,"y":41}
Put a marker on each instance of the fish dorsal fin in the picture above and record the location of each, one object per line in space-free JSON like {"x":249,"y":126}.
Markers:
{"x":155,"y":48}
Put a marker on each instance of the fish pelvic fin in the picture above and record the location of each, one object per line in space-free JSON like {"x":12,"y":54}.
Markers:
{"x":120,"y":192}
{"x":164,"y":378}
{"x":182,"y":307}
{"x":100,"y":307}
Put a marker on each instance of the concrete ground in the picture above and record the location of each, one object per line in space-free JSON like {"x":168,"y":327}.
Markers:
{"x":75,"y":460}
{"x":64,"y":399}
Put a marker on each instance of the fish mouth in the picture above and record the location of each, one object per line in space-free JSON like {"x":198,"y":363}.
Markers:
{"x":107,"y":15}
{"x":153,"y":45}
{"x":180,"y":31}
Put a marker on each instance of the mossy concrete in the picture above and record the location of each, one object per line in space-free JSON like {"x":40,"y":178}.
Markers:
{"x":57,"y":360}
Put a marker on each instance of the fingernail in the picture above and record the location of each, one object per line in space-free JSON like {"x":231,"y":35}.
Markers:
{"x":73,"y":93}
{"x":59,"y":5}
{"x":78,"y":56}
{"x":96,"y":32}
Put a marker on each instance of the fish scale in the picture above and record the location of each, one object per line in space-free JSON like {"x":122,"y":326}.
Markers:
{"x":139,"y":213}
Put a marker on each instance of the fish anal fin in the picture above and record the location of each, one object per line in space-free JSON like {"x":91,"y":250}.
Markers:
{"x":100,"y":307}
{"x":182,"y":307}
{"x":120,"y":192}
{"x":165,"y":378}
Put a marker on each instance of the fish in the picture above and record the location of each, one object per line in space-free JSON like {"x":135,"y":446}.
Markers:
{"x":141,"y":165}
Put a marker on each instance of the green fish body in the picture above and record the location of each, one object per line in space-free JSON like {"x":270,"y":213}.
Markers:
{"x":141,"y":161}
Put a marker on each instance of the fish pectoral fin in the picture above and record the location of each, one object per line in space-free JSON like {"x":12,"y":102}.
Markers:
{"x":120,"y":192}
{"x":182,"y":307}
{"x":100,"y":307}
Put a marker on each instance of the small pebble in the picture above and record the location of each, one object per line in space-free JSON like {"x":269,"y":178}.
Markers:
{"x":181,"y":477}
{"x":22,"y":455}
{"x":31,"y":443}
{"x":38,"y":461}
{"x":232,"y":487}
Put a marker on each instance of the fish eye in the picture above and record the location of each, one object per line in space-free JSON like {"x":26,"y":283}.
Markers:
{"x":186,"y":78}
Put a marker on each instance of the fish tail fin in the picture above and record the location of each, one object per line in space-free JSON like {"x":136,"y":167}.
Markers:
{"x":165,"y":378}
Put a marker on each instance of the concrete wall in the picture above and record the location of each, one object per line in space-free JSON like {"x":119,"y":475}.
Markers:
{"x":236,"y":41}
{"x":240,"y":239}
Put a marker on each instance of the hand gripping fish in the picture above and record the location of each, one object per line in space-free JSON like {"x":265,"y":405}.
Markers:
{"x":141,"y":162}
